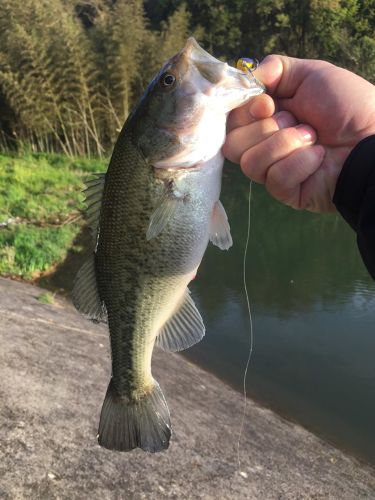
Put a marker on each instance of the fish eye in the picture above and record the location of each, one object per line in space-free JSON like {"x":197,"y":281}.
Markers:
{"x":167,"y":80}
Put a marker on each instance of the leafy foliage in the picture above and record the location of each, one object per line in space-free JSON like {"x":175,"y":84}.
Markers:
{"x":40,"y":202}
{"x":71,"y":70}
{"x":26,"y":251}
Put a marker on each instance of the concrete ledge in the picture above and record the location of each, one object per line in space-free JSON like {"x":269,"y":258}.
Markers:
{"x":54,"y":370}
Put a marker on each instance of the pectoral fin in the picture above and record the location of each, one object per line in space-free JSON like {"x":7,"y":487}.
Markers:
{"x":219,"y":228}
{"x":161,"y":215}
{"x":165,"y":209}
{"x":184,"y":329}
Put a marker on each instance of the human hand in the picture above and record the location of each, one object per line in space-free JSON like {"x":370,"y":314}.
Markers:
{"x":323,"y":111}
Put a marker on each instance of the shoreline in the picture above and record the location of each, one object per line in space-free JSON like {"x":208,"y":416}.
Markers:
{"x":55,"y":369}
{"x":282,"y":414}
{"x":325,"y":436}
{"x":44,"y":282}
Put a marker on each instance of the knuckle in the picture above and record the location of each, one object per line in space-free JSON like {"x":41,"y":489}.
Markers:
{"x":251,"y":167}
{"x":275,"y":178}
{"x":287,"y":196}
{"x":267,"y":126}
{"x":288,"y":139}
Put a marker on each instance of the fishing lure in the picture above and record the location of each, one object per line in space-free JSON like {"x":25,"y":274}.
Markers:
{"x":247,"y":64}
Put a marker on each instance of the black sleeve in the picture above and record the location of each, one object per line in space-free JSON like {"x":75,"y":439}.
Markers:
{"x":355,"y":197}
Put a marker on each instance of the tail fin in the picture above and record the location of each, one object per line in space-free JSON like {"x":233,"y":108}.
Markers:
{"x":142,"y":424}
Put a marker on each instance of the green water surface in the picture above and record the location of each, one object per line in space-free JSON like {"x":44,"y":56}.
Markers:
{"x":313,"y":306}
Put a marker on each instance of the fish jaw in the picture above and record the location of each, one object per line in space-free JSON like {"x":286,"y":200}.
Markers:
{"x":208,"y":90}
{"x":183,"y":124}
{"x":235,"y":89}
{"x":230,"y":87}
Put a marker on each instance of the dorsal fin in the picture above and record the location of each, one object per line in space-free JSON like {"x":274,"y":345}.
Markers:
{"x":93,"y":200}
{"x":85,"y":295}
{"x":184,"y":329}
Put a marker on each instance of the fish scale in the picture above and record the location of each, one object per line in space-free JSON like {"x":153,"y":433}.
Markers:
{"x":156,"y":267}
{"x":152,"y":216}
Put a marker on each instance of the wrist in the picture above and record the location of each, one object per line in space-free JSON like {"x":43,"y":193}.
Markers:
{"x":355,"y":179}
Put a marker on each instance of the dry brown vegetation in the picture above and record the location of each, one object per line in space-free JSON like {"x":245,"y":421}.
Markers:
{"x":71,"y":70}
{"x":68,"y":79}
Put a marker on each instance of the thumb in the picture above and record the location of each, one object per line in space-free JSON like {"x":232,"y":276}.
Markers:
{"x":282,"y":75}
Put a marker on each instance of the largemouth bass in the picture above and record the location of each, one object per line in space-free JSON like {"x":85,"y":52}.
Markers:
{"x":152,"y":215}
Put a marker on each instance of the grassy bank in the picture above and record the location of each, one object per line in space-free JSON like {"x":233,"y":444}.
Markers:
{"x":40,"y":210}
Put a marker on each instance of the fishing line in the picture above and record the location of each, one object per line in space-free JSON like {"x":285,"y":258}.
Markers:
{"x":251,"y":333}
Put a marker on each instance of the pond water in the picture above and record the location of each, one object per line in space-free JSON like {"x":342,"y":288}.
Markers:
{"x":313,"y":306}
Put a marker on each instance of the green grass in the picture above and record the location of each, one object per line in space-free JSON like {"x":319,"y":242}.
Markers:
{"x":46,"y":298}
{"x":41,"y":196}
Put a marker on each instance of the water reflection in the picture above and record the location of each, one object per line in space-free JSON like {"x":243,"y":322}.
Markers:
{"x":313,"y":305}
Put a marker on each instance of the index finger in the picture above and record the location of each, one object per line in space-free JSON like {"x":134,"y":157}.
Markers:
{"x":258,"y":108}
{"x":282,"y":75}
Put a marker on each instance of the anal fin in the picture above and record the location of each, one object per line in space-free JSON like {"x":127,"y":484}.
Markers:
{"x":184,"y":329}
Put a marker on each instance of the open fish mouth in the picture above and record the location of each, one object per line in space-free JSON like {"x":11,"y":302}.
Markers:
{"x":230,"y":85}
{"x":187,"y":105}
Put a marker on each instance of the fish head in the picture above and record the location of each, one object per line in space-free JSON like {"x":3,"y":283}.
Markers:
{"x":181,"y":119}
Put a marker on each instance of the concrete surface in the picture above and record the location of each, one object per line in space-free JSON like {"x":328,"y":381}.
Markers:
{"x":54,"y":370}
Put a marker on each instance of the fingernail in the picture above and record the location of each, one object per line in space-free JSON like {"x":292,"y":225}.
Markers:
{"x":284,"y":119}
{"x":307,"y":134}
